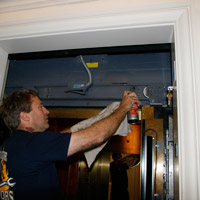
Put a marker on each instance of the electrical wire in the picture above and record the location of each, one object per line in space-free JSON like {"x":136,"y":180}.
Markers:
{"x":89,"y":73}
{"x":84,"y":89}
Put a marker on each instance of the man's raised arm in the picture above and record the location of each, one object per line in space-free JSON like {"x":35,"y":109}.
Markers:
{"x":103,"y":129}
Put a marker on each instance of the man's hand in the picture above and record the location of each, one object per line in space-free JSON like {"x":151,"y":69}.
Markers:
{"x":129,"y":98}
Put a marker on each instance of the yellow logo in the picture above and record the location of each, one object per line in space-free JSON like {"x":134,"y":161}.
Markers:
{"x":6,"y":182}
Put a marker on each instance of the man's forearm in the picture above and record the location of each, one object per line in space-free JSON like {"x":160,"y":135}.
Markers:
{"x":97,"y":133}
{"x":108,"y":126}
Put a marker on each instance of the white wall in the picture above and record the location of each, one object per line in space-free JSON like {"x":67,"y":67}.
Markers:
{"x":35,"y":26}
{"x":3,"y":70}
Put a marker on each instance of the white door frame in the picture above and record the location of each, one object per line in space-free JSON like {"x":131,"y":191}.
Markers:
{"x":179,"y":18}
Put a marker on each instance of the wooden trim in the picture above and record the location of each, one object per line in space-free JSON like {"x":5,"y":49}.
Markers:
{"x":73,"y":113}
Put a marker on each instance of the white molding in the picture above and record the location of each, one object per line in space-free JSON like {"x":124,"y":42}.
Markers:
{"x":195,"y":26}
{"x":69,"y":22}
{"x":86,"y":27}
{"x":99,"y":26}
{"x":188,"y":133}
{"x":18,"y":5}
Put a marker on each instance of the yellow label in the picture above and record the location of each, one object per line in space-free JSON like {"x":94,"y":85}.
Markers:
{"x":92,"y":65}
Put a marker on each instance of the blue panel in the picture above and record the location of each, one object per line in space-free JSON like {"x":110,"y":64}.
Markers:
{"x":53,"y":77}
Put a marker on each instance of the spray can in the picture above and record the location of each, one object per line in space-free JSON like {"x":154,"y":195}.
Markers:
{"x":132,"y":115}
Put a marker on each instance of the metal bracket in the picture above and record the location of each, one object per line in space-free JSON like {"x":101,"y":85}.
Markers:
{"x":170,"y":161}
{"x":159,"y":146}
{"x":171,"y":88}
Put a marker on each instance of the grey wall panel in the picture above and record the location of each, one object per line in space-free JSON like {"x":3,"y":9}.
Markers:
{"x":52,"y":77}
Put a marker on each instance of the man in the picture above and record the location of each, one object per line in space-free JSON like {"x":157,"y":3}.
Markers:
{"x":31,"y":151}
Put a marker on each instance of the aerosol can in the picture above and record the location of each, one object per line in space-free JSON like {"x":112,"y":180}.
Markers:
{"x":132,"y":115}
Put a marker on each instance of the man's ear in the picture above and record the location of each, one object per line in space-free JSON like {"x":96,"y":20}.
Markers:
{"x":24,"y":116}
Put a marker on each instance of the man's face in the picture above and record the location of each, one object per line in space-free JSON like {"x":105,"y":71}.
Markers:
{"x":38,"y":115}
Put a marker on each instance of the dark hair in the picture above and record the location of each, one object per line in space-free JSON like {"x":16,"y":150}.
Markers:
{"x":14,"y":104}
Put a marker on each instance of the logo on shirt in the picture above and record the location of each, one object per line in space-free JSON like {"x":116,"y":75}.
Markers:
{"x":5,"y":181}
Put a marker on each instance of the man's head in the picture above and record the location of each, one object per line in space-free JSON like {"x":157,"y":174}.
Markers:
{"x":24,"y":110}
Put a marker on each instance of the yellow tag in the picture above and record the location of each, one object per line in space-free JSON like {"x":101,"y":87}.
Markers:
{"x":92,"y":65}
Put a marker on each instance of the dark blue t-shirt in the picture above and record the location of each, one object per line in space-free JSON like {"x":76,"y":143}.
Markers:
{"x":31,"y":163}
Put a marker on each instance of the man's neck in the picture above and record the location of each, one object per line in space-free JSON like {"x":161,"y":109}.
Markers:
{"x":28,"y":129}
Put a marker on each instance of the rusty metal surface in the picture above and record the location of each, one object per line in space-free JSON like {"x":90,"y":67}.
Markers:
{"x":147,"y":112}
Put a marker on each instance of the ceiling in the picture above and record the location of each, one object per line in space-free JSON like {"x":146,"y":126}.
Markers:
{"x":90,"y":39}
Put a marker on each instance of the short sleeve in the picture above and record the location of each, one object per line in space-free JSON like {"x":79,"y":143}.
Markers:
{"x":50,"y":146}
